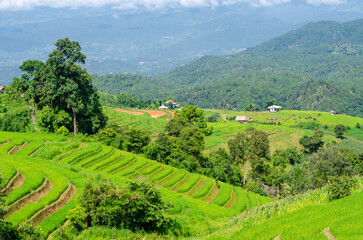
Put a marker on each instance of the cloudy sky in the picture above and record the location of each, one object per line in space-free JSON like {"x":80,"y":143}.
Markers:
{"x":14,"y":5}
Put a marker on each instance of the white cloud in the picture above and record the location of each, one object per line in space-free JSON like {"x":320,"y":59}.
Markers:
{"x":150,"y":4}
{"x":327,"y":2}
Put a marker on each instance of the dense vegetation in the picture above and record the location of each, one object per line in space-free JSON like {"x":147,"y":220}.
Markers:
{"x":317,"y":67}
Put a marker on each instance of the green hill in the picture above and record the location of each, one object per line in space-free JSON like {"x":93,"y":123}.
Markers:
{"x":316,"y":67}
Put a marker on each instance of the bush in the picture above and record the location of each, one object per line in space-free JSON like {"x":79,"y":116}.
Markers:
{"x":139,"y":206}
{"x":77,"y":218}
{"x":339,"y":130}
{"x":15,"y":122}
{"x":62,"y":131}
{"x":340,"y":187}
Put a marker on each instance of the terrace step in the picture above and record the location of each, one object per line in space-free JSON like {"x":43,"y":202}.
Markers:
{"x":212,"y":194}
{"x":66,"y":196}
{"x":110,"y":162}
{"x":196,"y":187}
{"x":15,"y":182}
{"x":123,"y":166}
{"x":99,"y":158}
{"x":232,"y":200}
{"x":34,"y":196}
{"x":16,"y":148}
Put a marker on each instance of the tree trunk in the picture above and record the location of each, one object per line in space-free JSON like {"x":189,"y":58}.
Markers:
{"x":75,"y":131}
{"x":32,"y":116}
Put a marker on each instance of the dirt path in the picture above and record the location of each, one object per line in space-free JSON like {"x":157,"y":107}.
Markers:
{"x":34,"y":196}
{"x":15,"y":149}
{"x":49,"y":210}
{"x":129,"y":111}
{"x":15,"y":182}
{"x":155,"y":133}
{"x":224,"y":117}
{"x":154,"y":113}
{"x":327,"y":233}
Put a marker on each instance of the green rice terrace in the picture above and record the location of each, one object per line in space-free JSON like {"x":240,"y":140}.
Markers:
{"x":46,"y":173}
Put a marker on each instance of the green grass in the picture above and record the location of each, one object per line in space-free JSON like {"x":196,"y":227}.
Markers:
{"x":224,"y":194}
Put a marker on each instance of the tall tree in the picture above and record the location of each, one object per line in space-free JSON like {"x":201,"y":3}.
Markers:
{"x":25,"y":88}
{"x":67,"y":86}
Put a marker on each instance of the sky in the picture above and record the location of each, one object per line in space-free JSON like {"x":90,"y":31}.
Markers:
{"x":18,"y":5}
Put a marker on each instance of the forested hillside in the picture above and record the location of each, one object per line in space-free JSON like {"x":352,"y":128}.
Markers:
{"x":317,"y":67}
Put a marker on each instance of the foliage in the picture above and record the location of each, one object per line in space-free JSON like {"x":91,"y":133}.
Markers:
{"x":139,"y":206}
{"x":313,"y":143}
{"x":249,"y":144}
{"x":65,"y":85}
{"x":26,"y":88}
{"x":340,"y":187}
{"x":252,"y":108}
{"x":62,"y":131}
{"x":213,"y":118}
{"x":15,"y":122}
{"x":286,"y":157}
{"x":127,"y":101}
{"x":29,"y":232}
{"x":51,"y":121}
{"x":77,"y":218}
{"x":124,"y":138}
{"x":339,"y":130}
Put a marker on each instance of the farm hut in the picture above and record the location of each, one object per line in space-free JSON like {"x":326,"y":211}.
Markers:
{"x":175,"y":105}
{"x":243,"y":119}
{"x":162,"y":107}
{"x":2,"y":89}
{"x":274,"y":108}
{"x":332,"y":112}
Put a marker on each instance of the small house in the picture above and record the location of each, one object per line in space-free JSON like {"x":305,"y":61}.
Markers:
{"x":175,"y":105}
{"x":162,"y":107}
{"x":274,"y":108}
{"x":332,"y":112}
{"x":243,"y":119}
{"x":2,"y":89}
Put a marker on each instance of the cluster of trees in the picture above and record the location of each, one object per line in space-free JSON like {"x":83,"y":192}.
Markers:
{"x":64,"y":87}
{"x":182,"y":142}
{"x":128,"y":101}
{"x":138,"y":206}
{"x":124,"y":138}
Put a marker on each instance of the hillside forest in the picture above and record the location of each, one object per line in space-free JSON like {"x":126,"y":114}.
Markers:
{"x":317,"y":67}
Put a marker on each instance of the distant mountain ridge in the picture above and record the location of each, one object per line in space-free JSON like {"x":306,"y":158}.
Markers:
{"x":316,"y":67}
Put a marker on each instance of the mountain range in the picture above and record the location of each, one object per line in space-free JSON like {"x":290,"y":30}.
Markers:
{"x":316,"y":67}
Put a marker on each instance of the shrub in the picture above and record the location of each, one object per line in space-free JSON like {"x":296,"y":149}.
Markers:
{"x":340,"y":187}
{"x":77,"y":218}
{"x":62,"y":131}
{"x":15,"y":122}
{"x":339,"y":130}
{"x":139,"y":206}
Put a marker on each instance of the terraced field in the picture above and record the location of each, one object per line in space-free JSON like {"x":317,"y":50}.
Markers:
{"x":38,"y":190}
{"x":280,"y":136}
{"x":97,"y":158}
{"x":139,"y":119}
{"x":46,"y":173}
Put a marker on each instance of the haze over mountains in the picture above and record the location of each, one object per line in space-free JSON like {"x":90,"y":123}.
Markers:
{"x":153,"y":41}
